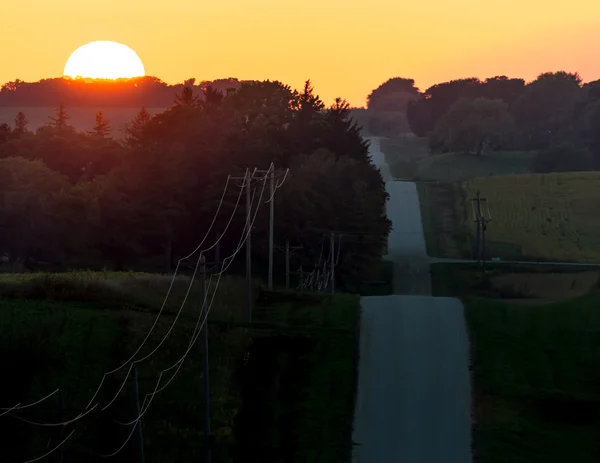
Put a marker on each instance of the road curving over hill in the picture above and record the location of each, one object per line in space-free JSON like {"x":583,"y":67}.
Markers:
{"x":414,"y":395}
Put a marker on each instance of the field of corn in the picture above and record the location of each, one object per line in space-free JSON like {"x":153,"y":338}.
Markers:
{"x":551,"y":217}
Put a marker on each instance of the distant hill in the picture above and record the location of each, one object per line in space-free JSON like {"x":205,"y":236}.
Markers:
{"x":99,"y":93}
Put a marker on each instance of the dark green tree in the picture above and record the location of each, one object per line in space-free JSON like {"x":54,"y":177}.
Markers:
{"x":20,"y":124}
{"x":134,"y":131}
{"x":471,"y":125}
{"x":186,"y":99}
{"x":61,"y":118}
{"x":545,"y":111}
{"x":102,"y":126}
{"x":5,"y":133}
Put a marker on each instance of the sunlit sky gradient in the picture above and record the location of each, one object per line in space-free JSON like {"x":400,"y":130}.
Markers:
{"x":345,"y":47}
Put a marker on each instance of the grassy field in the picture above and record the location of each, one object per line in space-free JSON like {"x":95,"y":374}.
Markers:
{"x":64,"y":331}
{"x":81,"y":118}
{"x":537,"y":386}
{"x":300,"y":382}
{"x":403,"y":153}
{"x":522,"y":283}
{"x":534,"y":217}
{"x":453,"y":166}
{"x":409,"y":158}
{"x":536,"y":381}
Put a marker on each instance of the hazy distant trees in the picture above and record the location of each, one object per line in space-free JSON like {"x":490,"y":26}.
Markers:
{"x":141,"y":91}
{"x":555,"y":114}
{"x":470,"y":125}
{"x":387,"y":106}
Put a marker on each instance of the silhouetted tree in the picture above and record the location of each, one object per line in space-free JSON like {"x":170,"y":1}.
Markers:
{"x":544,"y":113}
{"x":20,"y":124}
{"x":212,"y":98}
{"x":134,"y":131}
{"x":102,"y":127}
{"x":424,"y":113}
{"x":393,"y":95}
{"x":472,"y":124}
{"x":186,"y":98}
{"x":5,"y":133}
{"x":61,"y":117}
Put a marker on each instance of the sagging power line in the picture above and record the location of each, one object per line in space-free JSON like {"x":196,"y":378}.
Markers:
{"x":199,"y":328}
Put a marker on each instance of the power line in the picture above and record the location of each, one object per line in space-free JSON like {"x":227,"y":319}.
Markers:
{"x":192,"y":342}
{"x":198,"y":329}
{"x":53,"y":450}
{"x":249,"y":238}
{"x":87,"y":409}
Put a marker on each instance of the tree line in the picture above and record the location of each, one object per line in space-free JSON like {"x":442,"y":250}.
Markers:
{"x":147,"y":91}
{"x":555,"y":114}
{"x":84,"y":199}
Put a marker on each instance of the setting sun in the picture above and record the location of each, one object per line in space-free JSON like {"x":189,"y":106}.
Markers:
{"x":104,"y":60}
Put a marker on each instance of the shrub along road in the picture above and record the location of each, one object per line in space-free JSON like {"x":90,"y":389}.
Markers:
{"x":414,"y":395}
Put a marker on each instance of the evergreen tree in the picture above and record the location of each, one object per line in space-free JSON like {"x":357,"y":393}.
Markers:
{"x":134,"y":131}
{"x":61,"y":117}
{"x":20,"y":124}
{"x":187,"y":99}
{"x":102,"y":127}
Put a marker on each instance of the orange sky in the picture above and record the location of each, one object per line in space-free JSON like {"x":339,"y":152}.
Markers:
{"x":345,"y":47}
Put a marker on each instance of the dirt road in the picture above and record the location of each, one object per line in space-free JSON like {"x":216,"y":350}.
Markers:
{"x":413,"y":403}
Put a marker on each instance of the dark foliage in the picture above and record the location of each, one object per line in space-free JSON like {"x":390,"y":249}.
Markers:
{"x":84,"y":199}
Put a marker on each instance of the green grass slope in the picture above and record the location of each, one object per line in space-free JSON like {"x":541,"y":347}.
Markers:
{"x":293,"y":370}
{"x":536,"y":381}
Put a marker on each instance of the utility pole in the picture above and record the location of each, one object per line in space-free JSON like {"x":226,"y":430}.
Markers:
{"x":138,"y":424}
{"x":289,"y":250}
{"x":271,"y":219}
{"x":481,"y":223}
{"x":248,"y":230}
{"x":332,"y":261}
{"x":246,"y":179}
{"x":477,"y":219}
{"x":205,"y":365}
{"x":272,"y":187}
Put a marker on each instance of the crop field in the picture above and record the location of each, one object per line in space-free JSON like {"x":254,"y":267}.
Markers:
{"x":81,"y":118}
{"x":550,"y":217}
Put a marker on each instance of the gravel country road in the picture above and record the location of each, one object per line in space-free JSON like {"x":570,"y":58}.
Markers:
{"x":414,"y":395}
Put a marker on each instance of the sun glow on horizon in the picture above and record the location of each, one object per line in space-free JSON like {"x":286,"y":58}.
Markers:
{"x":104,"y":60}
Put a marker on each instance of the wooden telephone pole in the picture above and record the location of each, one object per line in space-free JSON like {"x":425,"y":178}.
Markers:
{"x":289,"y":250}
{"x":481,"y":228}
